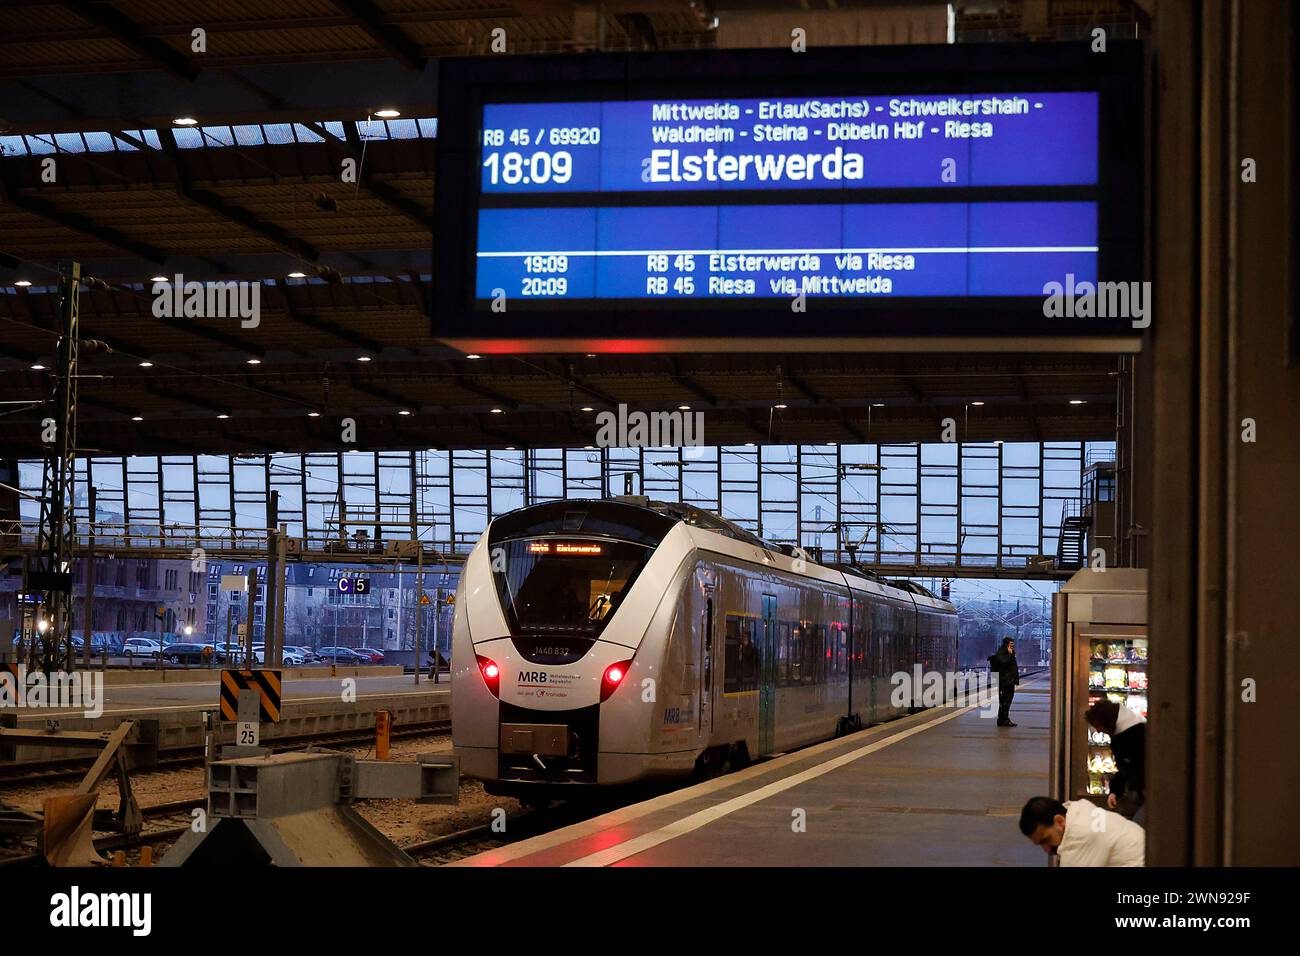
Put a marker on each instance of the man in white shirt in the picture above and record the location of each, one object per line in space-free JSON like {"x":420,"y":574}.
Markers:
{"x":1079,"y":833}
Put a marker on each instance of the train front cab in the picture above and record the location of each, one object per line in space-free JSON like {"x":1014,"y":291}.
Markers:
{"x":549,"y":660}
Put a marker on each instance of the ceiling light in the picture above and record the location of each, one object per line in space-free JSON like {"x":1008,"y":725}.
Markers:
{"x":255,"y":361}
{"x":587,"y":408}
{"x":510,"y":447}
{"x":388,"y":113}
{"x":977,"y":403}
{"x":683,"y":408}
{"x":159,"y":279}
{"x":23,"y":283}
{"x":363,"y":358}
{"x":404,"y":411}
{"x":1077,"y":401}
{"x":185,"y":121}
{"x":223,"y":415}
{"x":589,"y":447}
{"x":998,"y":441}
{"x":136,"y":418}
{"x":832,"y":443}
{"x":38,"y":367}
{"x":781,"y":405}
{"x":146,"y":364}
{"x":877,"y":404}
{"x":313,"y":414}
{"x":473,"y":355}
{"x":297,"y":275}
{"x":496,"y":411}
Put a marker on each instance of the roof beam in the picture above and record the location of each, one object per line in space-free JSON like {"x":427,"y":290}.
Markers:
{"x":382,"y":191}
{"x":232,"y":342}
{"x":84,"y":399}
{"x":148,"y":99}
{"x":370,"y":19}
{"x":183,"y":180}
{"x":76,"y":222}
{"x":313,"y":321}
{"x":187,"y":398}
{"x":125,"y":30}
{"x":482,"y":390}
{"x":374,"y":391}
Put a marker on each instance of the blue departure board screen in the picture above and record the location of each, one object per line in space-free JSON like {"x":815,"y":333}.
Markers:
{"x":897,"y":204}
{"x":1022,"y":139}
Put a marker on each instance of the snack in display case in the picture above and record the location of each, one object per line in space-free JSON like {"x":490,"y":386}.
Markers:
{"x":1137,"y":680}
{"x":1116,"y":677}
{"x":1138,"y":704}
{"x":1117,"y":651}
{"x":1098,"y":738}
{"x":1097,"y":651}
{"x":1097,"y":786}
{"x":1096,"y":679}
{"x":1140,"y":650}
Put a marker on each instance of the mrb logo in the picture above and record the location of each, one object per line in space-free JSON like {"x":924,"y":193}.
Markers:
{"x":532,"y":677}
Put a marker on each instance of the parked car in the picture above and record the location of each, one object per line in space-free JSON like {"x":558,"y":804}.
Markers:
{"x":306,"y":653}
{"x":342,"y":655}
{"x":374,"y":655}
{"x":289,"y":658}
{"x":185,"y":653}
{"x":236,"y":657}
{"x":141,"y":647}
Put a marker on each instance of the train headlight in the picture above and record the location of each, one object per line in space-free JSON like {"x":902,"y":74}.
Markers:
{"x":491,"y":674}
{"x":613,"y":676}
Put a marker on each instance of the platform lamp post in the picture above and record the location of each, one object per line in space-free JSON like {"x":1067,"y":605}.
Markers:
{"x":419,"y":607}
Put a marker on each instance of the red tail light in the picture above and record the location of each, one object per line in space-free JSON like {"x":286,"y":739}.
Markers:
{"x":613,"y":676}
{"x":491,"y":674}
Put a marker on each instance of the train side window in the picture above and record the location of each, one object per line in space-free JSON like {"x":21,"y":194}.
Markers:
{"x":783,"y":656}
{"x":795,"y":675}
{"x":740,"y":659}
{"x":706,"y":647}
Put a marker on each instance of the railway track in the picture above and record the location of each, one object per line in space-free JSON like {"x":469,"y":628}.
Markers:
{"x":54,"y":771}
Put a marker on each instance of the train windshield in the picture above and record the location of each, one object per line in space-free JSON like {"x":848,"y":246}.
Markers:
{"x":570,"y":586}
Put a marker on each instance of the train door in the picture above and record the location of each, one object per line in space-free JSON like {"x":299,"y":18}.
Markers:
{"x":705,"y":709}
{"x":767,"y":677}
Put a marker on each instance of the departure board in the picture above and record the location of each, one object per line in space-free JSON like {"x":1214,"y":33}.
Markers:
{"x":896,"y":204}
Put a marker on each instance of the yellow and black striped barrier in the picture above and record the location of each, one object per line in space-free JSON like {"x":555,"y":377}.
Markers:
{"x":265,"y":682}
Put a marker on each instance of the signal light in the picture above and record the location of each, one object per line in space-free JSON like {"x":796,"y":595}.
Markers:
{"x":491,"y":674}
{"x":612,"y":677}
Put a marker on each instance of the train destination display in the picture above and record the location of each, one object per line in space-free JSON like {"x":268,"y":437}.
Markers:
{"x":806,"y":143}
{"x":611,"y":165}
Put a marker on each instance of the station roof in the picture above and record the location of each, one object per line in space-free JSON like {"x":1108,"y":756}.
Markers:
{"x":285,"y":93}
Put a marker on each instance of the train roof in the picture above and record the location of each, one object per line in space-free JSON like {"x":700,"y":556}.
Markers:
{"x":563,"y":515}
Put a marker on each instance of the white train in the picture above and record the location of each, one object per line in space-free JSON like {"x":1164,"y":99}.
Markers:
{"x":600,"y":643}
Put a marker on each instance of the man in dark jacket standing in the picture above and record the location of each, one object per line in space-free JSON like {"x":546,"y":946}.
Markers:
{"x":1004,"y":662}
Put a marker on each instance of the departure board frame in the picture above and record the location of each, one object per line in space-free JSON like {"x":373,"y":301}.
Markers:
{"x":467,"y":85}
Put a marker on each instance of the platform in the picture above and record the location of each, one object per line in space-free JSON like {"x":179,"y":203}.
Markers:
{"x":939,"y":788}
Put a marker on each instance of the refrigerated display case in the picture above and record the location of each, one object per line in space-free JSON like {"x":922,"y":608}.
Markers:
{"x":1100,"y":649}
